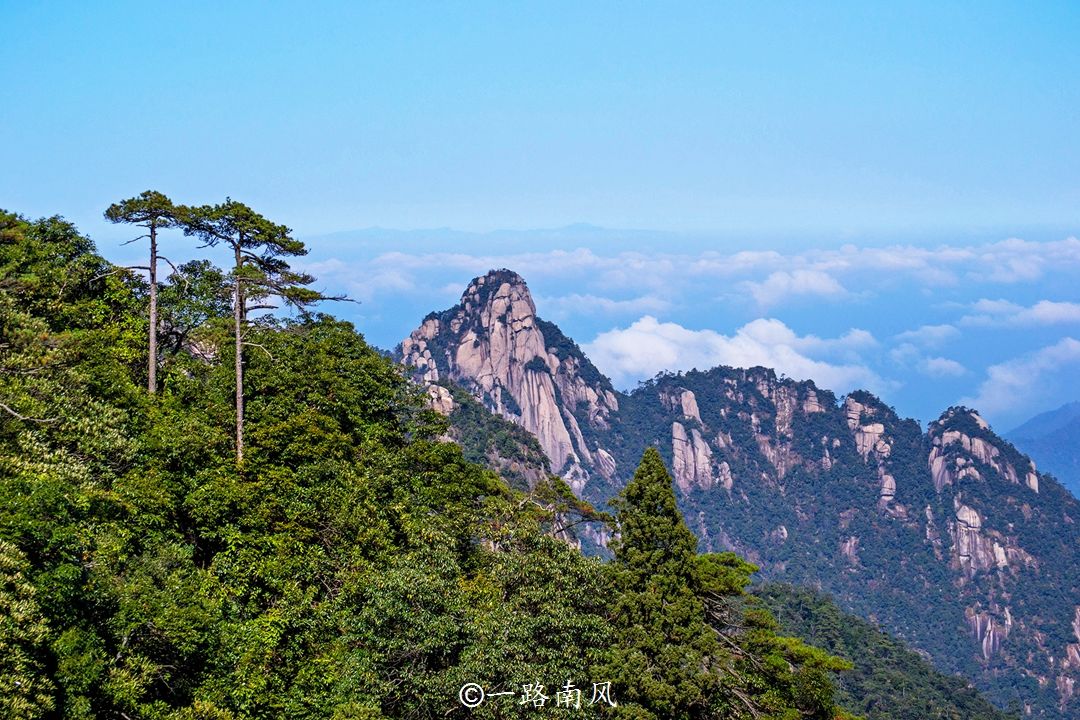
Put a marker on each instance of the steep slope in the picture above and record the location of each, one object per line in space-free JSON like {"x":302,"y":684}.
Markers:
{"x":488,"y":439}
{"x":889,"y":681}
{"x":950,"y":539}
{"x":1053,"y":440}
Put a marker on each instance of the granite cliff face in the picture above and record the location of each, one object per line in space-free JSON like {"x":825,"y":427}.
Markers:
{"x":950,"y":539}
{"x":493,"y":345}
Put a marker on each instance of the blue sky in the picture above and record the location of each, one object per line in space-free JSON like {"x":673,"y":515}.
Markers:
{"x":885,"y":155}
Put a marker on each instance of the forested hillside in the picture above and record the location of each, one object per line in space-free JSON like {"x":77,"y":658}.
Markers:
{"x":178,"y":544}
{"x":889,"y":680}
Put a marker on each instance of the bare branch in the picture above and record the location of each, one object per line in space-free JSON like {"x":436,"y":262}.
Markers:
{"x":118,"y":269}
{"x":17,"y":416}
{"x":570,"y":526}
{"x":175,"y":271}
{"x":133,"y":240}
{"x":251,"y":344}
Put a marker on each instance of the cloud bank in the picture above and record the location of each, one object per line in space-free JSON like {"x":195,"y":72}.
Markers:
{"x":1022,"y":382}
{"x":955,"y":321}
{"x":649,"y":346}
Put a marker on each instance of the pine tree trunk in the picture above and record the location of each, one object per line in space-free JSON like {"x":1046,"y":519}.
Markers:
{"x":238,"y":314}
{"x":151,"y":382}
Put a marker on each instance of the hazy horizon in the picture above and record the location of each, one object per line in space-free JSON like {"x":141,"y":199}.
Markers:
{"x":985,"y":322}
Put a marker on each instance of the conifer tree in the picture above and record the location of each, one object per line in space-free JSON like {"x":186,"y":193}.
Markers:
{"x":153,"y":211}
{"x":690,"y":645}
{"x":259,"y":272}
{"x":662,"y":654}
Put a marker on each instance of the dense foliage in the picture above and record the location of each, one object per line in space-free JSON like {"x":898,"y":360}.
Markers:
{"x":353,"y":566}
{"x":676,"y":655}
{"x":889,"y":681}
{"x":490,"y":440}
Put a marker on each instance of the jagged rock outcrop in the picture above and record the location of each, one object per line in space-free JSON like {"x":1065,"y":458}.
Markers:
{"x":489,"y":439}
{"x":682,"y":401}
{"x":871,"y":442}
{"x":493,"y":344}
{"x":975,"y":550}
{"x":972,"y":551}
{"x":440,"y":399}
{"x":692,"y":463}
{"x":988,"y":630}
{"x":957,"y":453}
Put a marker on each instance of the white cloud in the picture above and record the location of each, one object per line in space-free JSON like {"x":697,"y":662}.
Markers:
{"x":929,"y":335}
{"x":908,"y":355}
{"x":768,"y":276}
{"x":649,"y":346}
{"x":1003,"y":312}
{"x":558,"y":262}
{"x":363,"y":286}
{"x":905,"y":354}
{"x":940,"y":367}
{"x":1046,"y":312}
{"x":1015,"y":384}
{"x":577,"y":304}
{"x":996,"y":307}
{"x":782,"y":284}
{"x":1015,"y":260}
{"x":743,"y":263}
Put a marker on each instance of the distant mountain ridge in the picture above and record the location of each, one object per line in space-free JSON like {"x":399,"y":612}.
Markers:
{"x":950,"y":539}
{"x":1048,"y":422}
{"x":1053,"y":439}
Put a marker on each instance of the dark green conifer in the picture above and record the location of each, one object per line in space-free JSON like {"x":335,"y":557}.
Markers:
{"x":664,"y":649}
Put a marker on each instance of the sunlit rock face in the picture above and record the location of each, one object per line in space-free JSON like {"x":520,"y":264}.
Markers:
{"x":871,"y":443}
{"x":493,"y":344}
{"x":956,"y":453}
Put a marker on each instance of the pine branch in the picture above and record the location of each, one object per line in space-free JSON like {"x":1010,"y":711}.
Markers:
{"x":140,"y":237}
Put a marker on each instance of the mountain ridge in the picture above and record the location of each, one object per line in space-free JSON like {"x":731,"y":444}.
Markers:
{"x":950,"y":538}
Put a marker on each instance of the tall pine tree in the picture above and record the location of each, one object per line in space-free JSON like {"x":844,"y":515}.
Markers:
{"x":690,"y":645}
{"x":260,"y":272}
{"x":153,"y":211}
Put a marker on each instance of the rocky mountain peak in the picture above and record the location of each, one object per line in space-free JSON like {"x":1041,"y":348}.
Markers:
{"x":499,"y":290}
{"x":872,"y":425}
{"x":520,"y":367}
{"x":964,"y":446}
